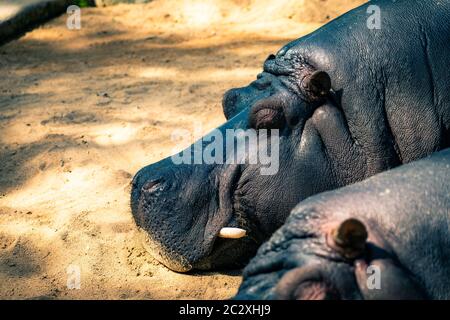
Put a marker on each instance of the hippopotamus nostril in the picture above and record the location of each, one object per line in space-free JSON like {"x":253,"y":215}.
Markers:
{"x":229,"y":102}
{"x":229,"y":98}
{"x":271,"y":57}
{"x":154,"y":185}
{"x":135,"y":181}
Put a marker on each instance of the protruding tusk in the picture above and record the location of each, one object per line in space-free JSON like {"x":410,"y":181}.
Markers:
{"x":349,"y":238}
{"x":232,"y":233}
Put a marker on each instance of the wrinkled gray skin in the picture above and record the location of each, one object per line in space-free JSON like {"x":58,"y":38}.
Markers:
{"x":407,"y":215}
{"x":389,"y":104}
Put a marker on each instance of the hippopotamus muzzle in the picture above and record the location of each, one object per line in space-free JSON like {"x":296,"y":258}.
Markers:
{"x":191,"y":214}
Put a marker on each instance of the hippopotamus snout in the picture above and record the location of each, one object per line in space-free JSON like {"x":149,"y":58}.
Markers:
{"x":181,"y":210}
{"x":148,"y":179}
{"x":160,"y":195}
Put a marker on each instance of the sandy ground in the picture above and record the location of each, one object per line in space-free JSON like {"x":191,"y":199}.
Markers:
{"x":82,"y":111}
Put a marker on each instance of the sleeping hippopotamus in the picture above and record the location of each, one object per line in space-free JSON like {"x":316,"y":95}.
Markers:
{"x":347,"y":102}
{"x":394,"y":226}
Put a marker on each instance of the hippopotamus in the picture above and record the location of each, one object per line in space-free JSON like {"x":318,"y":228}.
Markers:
{"x":346,"y":102}
{"x":394,"y":226}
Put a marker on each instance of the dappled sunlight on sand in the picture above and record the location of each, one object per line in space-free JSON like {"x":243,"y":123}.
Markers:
{"x":200,"y":13}
{"x":202,"y":75}
{"x":114,"y":135}
{"x":61,"y":189}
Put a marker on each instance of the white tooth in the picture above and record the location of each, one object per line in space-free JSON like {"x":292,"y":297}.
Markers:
{"x":232,"y":233}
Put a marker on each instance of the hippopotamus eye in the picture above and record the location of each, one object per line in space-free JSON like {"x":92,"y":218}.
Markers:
{"x":265,"y":116}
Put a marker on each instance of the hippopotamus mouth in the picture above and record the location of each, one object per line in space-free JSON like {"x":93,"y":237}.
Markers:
{"x":225,"y":237}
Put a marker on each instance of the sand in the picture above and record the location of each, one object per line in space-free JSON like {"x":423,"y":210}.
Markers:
{"x":82,"y":110}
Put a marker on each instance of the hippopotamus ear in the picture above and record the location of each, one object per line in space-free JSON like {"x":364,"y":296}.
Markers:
{"x":348,"y":238}
{"x":317,"y":84}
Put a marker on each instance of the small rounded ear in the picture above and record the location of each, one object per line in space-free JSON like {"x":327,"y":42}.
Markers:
{"x":319,"y":83}
{"x":349,"y":238}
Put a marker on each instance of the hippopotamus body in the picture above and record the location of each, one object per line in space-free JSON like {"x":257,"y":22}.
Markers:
{"x":395,"y":226}
{"x":348,"y":102}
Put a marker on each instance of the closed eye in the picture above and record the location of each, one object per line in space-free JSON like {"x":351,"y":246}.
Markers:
{"x":267,"y":118}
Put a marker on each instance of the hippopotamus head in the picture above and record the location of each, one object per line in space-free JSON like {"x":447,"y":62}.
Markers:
{"x":183,"y":207}
{"x":329,"y":109}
